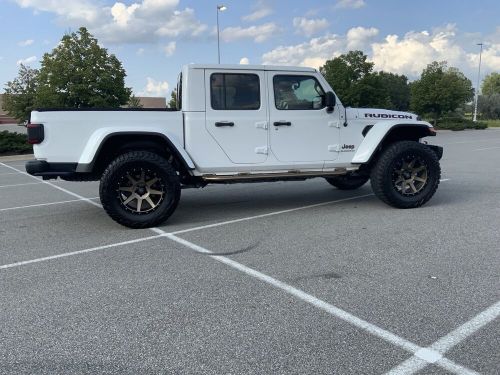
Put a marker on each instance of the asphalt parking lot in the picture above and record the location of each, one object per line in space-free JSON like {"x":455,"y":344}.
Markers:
{"x":271,"y":278}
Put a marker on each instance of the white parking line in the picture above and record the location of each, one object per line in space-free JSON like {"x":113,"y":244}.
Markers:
{"x":267,"y":214}
{"x":93,"y":249}
{"x":54,"y":186}
{"x":325,"y":306}
{"x":475,"y":141}
{"x":444,"y":344}
{"x":3,"y":174}
{"x":26,"y":183}
{"x":487,"y":148}
{"x":46,"y":204}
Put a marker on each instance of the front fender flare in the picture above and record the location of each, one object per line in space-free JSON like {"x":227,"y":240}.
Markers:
{"x":379,"y":132}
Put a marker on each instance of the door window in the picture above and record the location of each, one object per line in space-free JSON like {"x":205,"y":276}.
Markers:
{"x":298,"y":93}
{"x":231,"y":91}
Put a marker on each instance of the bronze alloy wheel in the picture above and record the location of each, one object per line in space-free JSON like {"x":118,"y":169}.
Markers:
{"x":410,"y":175}
{"x":140,"y":190}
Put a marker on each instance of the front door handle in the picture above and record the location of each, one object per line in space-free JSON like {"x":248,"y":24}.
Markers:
{"x":224,"y":123}
{"x":282,"y":123}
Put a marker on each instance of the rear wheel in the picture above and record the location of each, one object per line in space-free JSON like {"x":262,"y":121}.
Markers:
{"x":406,"y":175}
{"x":347,"y":182}
{"x":140,"y":189}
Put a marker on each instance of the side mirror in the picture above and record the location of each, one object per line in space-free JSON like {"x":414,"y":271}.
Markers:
{"x":330,"y":101}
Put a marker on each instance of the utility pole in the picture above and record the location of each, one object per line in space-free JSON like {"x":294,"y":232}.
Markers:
{"x":478,"y":79}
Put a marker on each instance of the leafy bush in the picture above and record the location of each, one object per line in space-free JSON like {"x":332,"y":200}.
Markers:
{"x":13,"y":143}
{"x":459,"y":123}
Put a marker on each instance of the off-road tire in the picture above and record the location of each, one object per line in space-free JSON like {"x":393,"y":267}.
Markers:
{"x":347,"y":182}
{"x":109,"y":189}
{"x":382,"y":174}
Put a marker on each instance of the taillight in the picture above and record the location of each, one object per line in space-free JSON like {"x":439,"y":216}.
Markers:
{"x":35,"y":133}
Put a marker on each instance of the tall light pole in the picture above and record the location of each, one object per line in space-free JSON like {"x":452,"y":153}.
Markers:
{"x":477,"y":86}
{"x":220,"y":8}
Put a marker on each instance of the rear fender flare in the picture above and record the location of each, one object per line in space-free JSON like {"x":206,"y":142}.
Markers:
{"x":99,"y":138}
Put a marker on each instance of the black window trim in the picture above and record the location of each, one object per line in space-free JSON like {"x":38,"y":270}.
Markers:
{"x":224,"y":87}
{"x":298,"y":75}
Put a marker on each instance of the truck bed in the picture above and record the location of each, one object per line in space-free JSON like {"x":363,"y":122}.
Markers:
{"x":73,"y":136}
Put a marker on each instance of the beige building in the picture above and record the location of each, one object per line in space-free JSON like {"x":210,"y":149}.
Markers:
{"x":153,"y":101}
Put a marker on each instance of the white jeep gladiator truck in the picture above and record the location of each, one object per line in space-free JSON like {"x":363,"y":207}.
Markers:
{"x":234,"y":123}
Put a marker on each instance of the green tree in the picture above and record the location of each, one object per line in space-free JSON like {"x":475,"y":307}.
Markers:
{"x":344,"y":72}
{"x":489,"y":106}
{"x":19,"y":98}
{"x":173,"y":99}
{"x":440,"y":90}
{"x":354,"y":81}
{"x":78,"y":73}
{"x":397,"y":89}
{"x":491,"y":84}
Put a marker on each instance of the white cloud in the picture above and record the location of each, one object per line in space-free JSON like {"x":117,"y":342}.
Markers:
{"x":140,"y":52}
{"x":26,"y":61}
{"x":122,"y":13}
{"x":68,"y":11}
{"x":353,"y":4}
{"x":261,"y":10}
{"x":359,"y":37}
{"x":258,"y":33}
{"x":244,"y":61}
{"x":25,"y":43}
{"x":169,"y":49}
{"x":312,"y":53}
{"x":309,"y":27}
{"x":411,"y":53}
{"x":140,"y":21}
{"x":155,"y":88}
{"x":182,"y":23}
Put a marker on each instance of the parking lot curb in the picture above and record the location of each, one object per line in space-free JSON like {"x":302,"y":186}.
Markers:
{"x":17,"y":157}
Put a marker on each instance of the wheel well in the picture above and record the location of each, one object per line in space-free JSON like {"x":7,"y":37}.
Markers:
{"x":405,"y":133}
{"x":118,"y":144}
{"x":396,"y":134}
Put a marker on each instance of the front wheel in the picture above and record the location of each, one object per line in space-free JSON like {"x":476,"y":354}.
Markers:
{"x":406,"y":175}
{"x":139,"y":189}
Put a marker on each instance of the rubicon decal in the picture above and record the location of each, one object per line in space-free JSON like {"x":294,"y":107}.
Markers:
{"x":388,"y":115}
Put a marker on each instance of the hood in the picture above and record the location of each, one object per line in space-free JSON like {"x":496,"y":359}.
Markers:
{"x":373,"y":114}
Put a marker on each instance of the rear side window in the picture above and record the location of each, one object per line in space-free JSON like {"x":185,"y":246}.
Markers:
{"x":298,"y":92}
{"x":230,"y":91}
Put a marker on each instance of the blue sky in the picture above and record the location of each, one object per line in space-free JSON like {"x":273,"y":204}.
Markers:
{"x":154,"y":38}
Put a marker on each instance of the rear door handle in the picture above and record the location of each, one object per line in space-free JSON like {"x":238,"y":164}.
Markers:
{"x":224,"y":123}
{"x":282,"y":123}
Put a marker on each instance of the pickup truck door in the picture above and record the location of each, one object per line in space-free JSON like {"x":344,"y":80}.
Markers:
{"x":236,"y":114}
{"x":301,"y":129}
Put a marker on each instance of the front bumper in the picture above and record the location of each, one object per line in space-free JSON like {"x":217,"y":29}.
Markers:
{"x":50,"y":170}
